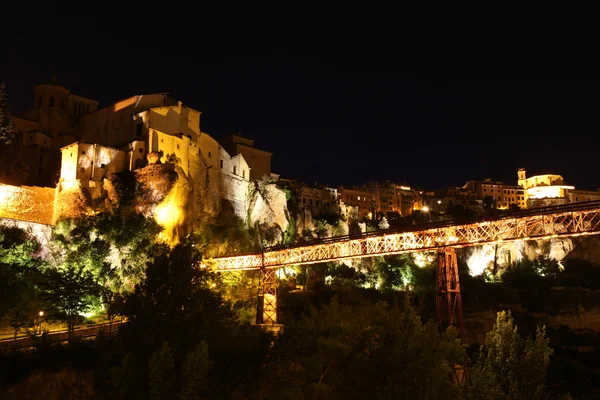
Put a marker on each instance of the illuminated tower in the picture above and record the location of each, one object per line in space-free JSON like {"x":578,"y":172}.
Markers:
{"x":522,"y":178}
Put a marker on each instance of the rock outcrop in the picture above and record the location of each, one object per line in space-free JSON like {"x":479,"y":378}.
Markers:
{"x":267,"y":210}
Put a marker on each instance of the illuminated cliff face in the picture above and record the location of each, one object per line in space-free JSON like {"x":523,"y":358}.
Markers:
{"x":481,"y":258}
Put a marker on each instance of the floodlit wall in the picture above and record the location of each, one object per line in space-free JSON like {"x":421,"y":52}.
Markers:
{"x":91,"y":162}
{"x":176,"y":120}
{"x":182,"y":147}
{"x":27,"y":203}
{"x":235,"y":186}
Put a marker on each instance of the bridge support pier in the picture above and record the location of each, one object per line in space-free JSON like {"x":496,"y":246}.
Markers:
{"x":448,"y":298}
{"x":266,"y":311}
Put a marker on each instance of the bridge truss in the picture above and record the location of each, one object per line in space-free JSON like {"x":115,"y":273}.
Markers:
{"x":536,"y":224}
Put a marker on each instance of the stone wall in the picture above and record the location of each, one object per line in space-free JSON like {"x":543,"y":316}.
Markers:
{"x":27,"y":203}
{"x":235,"y":190}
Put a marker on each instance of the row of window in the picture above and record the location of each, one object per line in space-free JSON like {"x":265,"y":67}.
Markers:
{"x":505,"y":191}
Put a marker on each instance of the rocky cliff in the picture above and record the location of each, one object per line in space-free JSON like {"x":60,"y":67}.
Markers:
{"x":267,"y":211}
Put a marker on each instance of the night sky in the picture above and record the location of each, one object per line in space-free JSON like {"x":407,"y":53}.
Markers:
{"x":347,"y":97}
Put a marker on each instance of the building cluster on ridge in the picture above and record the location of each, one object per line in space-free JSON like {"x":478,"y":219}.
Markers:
{"x":66,"y":138}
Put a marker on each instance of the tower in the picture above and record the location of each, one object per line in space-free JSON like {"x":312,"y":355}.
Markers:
{"x":522,"y":177}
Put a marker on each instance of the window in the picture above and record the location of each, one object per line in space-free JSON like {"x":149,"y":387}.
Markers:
{"x":177,"y":146}
{"x":209,"y":155}
{"x":51,"y":102}
{"x":102,"y":165}
{"x":141,"y":150}
{"x":244,"y":173}
{"x":83,"y":152}
{"x":31,"y":137}
{"x":310,"y":202}
{"x":221,"y":164}
{"x":234,"y":172}
{"x":317,"y":202}
{"x":138,"y":130}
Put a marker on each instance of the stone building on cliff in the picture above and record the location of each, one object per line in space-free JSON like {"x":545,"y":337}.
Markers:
{"x":149,"y":129}
{"x":51,"y":123}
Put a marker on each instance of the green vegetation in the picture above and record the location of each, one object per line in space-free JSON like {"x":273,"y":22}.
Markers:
{"x":509,"y":367}
{"x":189,"y":332}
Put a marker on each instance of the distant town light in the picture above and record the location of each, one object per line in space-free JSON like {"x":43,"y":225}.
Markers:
{"x":425,"y":209}
{"x":41,"y":313}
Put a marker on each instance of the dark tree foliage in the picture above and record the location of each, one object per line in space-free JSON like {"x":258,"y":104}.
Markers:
{"x":366,"y":352}
{"x":181,"y":334}
{"x":532,"y":274}
{"x":68,"y":292}
{"x":510,"y":367}
{"x":18,"y":262}
{"x":460,"y":213}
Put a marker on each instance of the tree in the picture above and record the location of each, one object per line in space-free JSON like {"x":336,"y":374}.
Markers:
{"x":13,"y":168}
{"x":69,"y":292}
{"x":19,"y":302}
{"x":383,"y":224}
{"x":509,"y":367}
{"x":175,"y":304}
{"x":194,"y":371}
{"x":369,"y":351}
{"x":160,"y":373}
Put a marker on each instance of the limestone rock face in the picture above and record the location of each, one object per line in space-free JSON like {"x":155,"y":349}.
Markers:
{"x":71,"y":201}
{"x":268,"y":209}
{"x":154,"y":182}
{"x":481,"y":258}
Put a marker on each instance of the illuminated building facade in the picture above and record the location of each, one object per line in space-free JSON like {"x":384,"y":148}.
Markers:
{"x":392,"y":197}
{"x":360,"y":197}
{"x":498,"y":195}
{"x":50,"y":124}
{"x":258,"y":160}
{"x":544,"y":190}
{"x":149,"y":129}
{"x":87,"y":161}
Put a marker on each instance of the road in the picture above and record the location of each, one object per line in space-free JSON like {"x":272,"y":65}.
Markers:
{"x":82,"y":331}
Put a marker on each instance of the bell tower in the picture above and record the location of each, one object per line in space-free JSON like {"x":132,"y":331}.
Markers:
{"x":522,"y":176}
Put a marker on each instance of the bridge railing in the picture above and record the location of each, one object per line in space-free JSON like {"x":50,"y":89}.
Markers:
{"x":444,"y":224}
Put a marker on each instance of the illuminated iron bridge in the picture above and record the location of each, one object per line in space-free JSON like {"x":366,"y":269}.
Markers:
{"x":535,"y":224}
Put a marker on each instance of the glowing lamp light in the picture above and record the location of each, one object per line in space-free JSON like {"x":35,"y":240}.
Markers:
{"x":41,"y":313}
{"x":425,"y":209}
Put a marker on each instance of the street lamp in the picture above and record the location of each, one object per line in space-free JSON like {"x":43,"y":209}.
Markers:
{"x":41,"y":314}
{"x":426,"y":209}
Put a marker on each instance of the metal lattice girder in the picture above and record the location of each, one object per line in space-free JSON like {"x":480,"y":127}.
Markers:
{"x":268,"y":294}
{"x":575,"y":222}
{"x":448,"y":299}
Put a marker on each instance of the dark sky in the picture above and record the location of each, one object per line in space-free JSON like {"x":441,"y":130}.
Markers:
{"x":346,"y":97}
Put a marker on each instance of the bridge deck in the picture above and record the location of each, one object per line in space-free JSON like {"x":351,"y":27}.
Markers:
{"x":544,"y":223}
